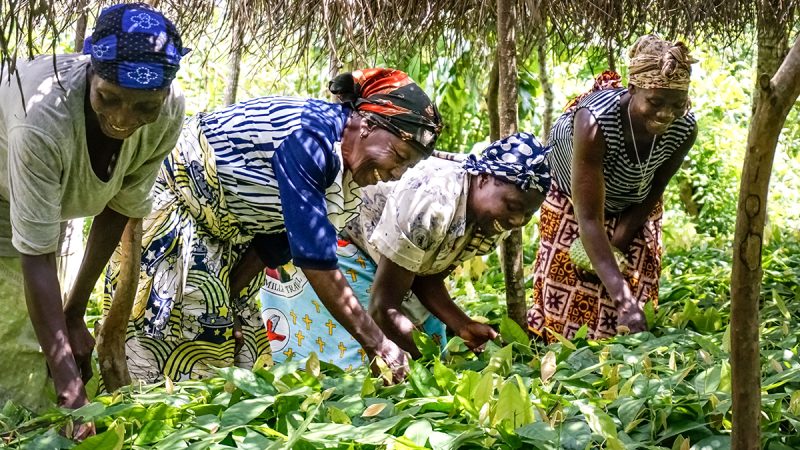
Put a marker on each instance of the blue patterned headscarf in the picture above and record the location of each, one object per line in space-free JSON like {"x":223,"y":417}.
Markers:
{"x":518,"y":159}
{"x":135,"y":46}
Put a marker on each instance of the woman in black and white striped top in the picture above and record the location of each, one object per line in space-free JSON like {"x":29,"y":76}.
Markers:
{"x":613,"y":154}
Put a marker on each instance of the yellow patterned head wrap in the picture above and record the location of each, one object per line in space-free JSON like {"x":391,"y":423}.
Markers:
{"x":659,"y":64}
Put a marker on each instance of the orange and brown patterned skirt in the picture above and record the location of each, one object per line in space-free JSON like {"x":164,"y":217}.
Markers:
{"x":565,"y":297}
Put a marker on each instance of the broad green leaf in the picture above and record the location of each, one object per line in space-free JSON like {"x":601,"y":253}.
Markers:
{"x":111,"y":439}
{"x":466,"y":389}
{"x":456,"y":345}
{"x":254,"y":441}
{"x":50,"y":440}
{"x":384,"y":370}
{"x":574,"y":435}
{"x":794,"y":403}
{"x":726,"y":340}
{"x":404,"y":443}
{"x":422,"y":380}
{"x":418,"y":432}
{"x":445,"y":376}
{"x":429,"y":349}
{"x":245,"y":411}
{"x":600,"y":422}
{"x":781,"y":305}
{"x":247,"y":381}
{"x":582,"y":332}
{"x":650,"y":315}
{"x":707,"y":381}
{"x":680,"y":443}
{"x":564,"y":341}
{"x":153,"y":431}
{"x":312,"y":365}
{"x":713,"y":443}
{"x":89,"y":411}
{"x":613,"y":443}
{"x":500,"y":362}
{"x":513,"y":405}
{"x":539,"y":433}
{"x":630,"y":408}
{"x":484,"y":390}
{"x":511,"y":332}
{"x":548,"y":367}
{"x":336,"y":415}
{"x":368,"y":387}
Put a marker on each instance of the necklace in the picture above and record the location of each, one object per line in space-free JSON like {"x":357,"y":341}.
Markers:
{"x":643,"y":172}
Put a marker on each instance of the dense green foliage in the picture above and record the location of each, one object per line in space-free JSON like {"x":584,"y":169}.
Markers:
{"x":654,"y":390}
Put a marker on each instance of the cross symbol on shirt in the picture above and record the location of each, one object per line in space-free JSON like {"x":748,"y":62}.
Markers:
{"x":293,"y":316}
{"x":363,"y":354}
{"x":330,"y":326}
{"x":353,"y":274}
{"x":342,"y":348}
{"x":289,"y":353}
{"x":300,"y":337}
{"x":321,"y":344}
{"x":361,"y":262}
{"x":307,"y":321}
{"x":316,"y":305}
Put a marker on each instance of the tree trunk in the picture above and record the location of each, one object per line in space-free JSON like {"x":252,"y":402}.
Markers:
{"x":234,"y":58}
{"x":80,"y":27}
{"x":544,"y":79}
{"x":774,"y":98}
{"x":491,"y":102}
{"x":111,"y":336}
{"x":611,"y":55}
{"x":507,"y":102}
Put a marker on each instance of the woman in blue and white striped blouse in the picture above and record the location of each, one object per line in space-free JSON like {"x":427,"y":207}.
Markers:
{"x":614,"y":151}
{"x":256,"y":184}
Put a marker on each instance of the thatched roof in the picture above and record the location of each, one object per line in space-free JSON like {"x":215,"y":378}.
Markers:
{"x":356,"y":29}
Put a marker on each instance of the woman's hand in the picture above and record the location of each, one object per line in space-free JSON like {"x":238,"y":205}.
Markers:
{"x":82,"y":343}
{"x":393,"y":356}
{"x":475,"y":334}
{"x":73,"y":397}
{"x":630,"y":314}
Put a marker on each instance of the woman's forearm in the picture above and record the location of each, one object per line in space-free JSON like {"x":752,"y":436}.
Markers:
{"x":107,"y":228}
{"x":433,"y":294}
{"x":43,"y":297}
{"x":632,"y":220}
{"x":338,"y":298}
{"x":390,"y":287}
{"x":598,"y":249}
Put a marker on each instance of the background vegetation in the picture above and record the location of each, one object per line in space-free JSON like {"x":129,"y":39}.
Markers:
{"x":665,"y":389}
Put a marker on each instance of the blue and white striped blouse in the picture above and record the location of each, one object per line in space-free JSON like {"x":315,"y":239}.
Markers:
{"x":275,"y":159}
{"x":622,"y":176}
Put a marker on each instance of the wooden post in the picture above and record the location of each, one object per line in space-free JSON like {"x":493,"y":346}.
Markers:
{"x":111,"y":335}
{"x":235,"y":56}
{"x":544,"y":79}
{"x":80,"y":27}
{"x":774,"y":98}
{"x":507,"y":107}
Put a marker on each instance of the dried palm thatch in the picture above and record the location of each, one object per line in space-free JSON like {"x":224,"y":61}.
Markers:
{"x":357,"y":30}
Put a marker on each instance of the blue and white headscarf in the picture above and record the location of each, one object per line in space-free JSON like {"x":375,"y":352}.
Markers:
{"x":518,"y":159}
{"x":135,"y":46}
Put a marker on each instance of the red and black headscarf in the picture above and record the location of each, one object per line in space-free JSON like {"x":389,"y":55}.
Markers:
{"x":392,"y":100}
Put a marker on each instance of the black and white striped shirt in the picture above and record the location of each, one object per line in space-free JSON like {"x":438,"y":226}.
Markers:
{"x":622,"y":176}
